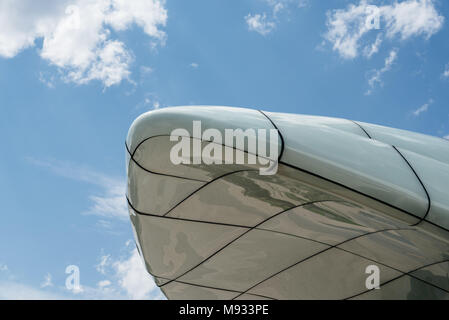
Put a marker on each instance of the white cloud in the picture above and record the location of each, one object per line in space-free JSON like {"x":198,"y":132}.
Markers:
{"x":112,"y":203}
{"x":406,"y":19}
{"x":150,"y":101}
{"x":3,"y":267}
{"x":412,"y":18}
{"x":123,"y":278}
{"x":111,"y":65}
{"x":47,"y":281}
{"x":259,"y":23}
{"x":104,"y":283}
{"x":376,"y":75}
{"x":144,"y":70}
{"x":369,"y":50}
{"x":134,"y":278}
{"x":127,"y":275}
{"x":47,"y":80}
{"x":194,"y":65}
{"x":446,"y":137}
{"x":264,"y":23}
{"x":76,"y":34}
{"x":105,"y":261}
{"x":423,"y":108}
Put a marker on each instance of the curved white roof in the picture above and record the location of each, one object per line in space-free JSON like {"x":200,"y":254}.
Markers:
{"x":345,"y":195}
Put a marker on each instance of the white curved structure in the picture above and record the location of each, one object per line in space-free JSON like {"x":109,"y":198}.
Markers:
{"x":346,"y":196}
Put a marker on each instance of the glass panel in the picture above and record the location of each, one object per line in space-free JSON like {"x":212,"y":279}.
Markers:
{"x":247,"y":198}
{"x":154,"y":155}
{"x":405,"y":288}
{"x":333,"y":274}
{"x":251,"y":297}
{"x":405,"y":250}
{"x":182,"y":291}
{"x":171,"y":247}
{"x":437,"y":274}
{"x":156,"y":194}
{"x":250,"y":259}
{"x":160,"y":281}
{"x":331,"y":222}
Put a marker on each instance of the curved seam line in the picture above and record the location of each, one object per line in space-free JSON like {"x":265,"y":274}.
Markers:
{"x":245,"y":227}
{"x":338,"y":248}
{"x":317,"y":253}
{"x":184,"y":219}
{"x":429,"y":202}
{"x":158,"y":173}
{"x":413,"y":170}
{"x":205,"y":185}
{"x":141,"y":142}
{"x":280,"y":134}
{"x":293,"y":235}
{"x":240,"y":236}
{"x":313,"y":240}
{"x":215,"y":288}
{"x":361,"y":193}
{"x":407,"y":274}
{"x":201,"y":140}
{"x":356,"y":191}
{"x":363,"y":129}
{"x":296,"y":236}
{"x":398,"y":270}
{"x":337,"y":183}
{"x":402,"y":273}
{"x":227,"y":224}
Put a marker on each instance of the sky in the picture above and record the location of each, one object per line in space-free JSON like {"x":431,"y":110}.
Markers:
{"x":74,"y":74}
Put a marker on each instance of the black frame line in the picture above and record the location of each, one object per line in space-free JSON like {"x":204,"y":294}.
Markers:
{"x":346,"y":187}
{"x":163,"y":135}
{"x":211,"y":287}
{"x":407,"y":274}
{"x":349,"y":188}
{"x":131,"y":154}
{"x":363,"y":129}
{"x":159,"y":173}
{"x":322,"y":251}
{"x":201,"y":140}
{"x":183,"y":219}
{"x":240,"y":236}
{"x":292,"y":235}
{"x":205,"y":185}
{"x":402,"y":273}
{"x":421,"y":219}
{"x":263,"y":229}
{"x":279,"y":132}
{"x":429,"y":202}
{"x":255,"y":227}
{"x":363,"y":194}
{"x":353,"y":296}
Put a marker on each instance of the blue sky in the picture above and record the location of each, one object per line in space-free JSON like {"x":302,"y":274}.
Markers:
{"x":75,"y":73}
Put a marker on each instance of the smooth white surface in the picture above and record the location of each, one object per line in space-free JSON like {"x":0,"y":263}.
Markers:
{"x":368,"y":166}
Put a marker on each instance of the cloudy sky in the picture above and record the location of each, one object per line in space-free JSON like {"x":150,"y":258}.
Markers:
{"x":75,"y":73}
